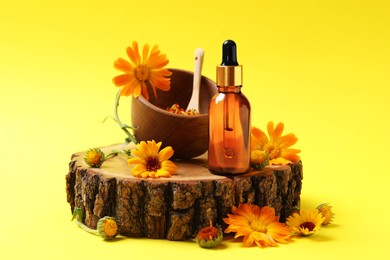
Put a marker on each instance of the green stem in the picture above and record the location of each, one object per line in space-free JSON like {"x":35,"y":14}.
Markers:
{"x":112,"y":154}
{"x":89,"y":230}
{"x":130,"y":137}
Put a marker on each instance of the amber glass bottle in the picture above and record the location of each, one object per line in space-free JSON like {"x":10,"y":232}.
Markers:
{"x":229,"y":118}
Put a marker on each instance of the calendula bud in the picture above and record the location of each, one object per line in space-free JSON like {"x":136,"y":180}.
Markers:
{"x":107,"y":228}
{"x":209,"y":237}
{"x":94,"y":157}
{"x":259,"y":159}
{"x":326,"y":211}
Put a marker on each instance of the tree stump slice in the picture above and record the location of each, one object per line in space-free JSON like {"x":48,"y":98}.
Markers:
{"x":175,"y":208}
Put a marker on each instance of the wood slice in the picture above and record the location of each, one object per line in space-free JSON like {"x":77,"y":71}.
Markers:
{"x":175,"y":208}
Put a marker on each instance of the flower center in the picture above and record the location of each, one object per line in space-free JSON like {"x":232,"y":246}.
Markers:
{"x":208,"y":233}
{"x":152,"y":164}
{"x":256,"y":226}
{"x":309,"y":225}
{"x":110,"y":228}
{"x":273,"y":150}
{"x":142,"y":73}
{"x":93,"y":157}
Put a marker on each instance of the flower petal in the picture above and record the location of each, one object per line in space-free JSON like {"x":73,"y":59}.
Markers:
{"x":145,"y":52}
{"x":165,"y":153}
{"x":148,"y":161}
{"x":130,"y":88}
{"x":257,"y":225}
{"x":154,"y":73}
{"x":258,"y":138}
{"x":287,"y":140}
{"x":123,"y":65}
{"x":299,"y":222}
{"x":162,"y":173}
{"x":123,"y":79}
{"x":133,"y":54}
{"x":135,"y":160}
{"x":274,"y":134}
{"x":138,"y":169}
{"x":144,"y":90}
{"x":169,"y":166}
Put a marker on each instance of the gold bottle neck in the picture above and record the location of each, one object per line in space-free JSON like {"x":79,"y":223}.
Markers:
{"x":229,"y":89}
{"x":229,"y":76}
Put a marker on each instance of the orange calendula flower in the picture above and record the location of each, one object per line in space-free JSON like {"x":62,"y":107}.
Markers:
{"x":257,"y":225}
{"x":148,"y":161}
{"x":140,"y":71}
{"x":306,"y":222}
{"x":277,"y":145}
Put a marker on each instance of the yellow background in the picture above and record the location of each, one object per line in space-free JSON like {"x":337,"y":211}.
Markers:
{"x":321,"y":67}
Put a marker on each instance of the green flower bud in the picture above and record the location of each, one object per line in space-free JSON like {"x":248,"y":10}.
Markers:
{"x":209,"y":237}
{"x":107,"y":228}
{"x":94,"y":157}
{"x":259,"y":159}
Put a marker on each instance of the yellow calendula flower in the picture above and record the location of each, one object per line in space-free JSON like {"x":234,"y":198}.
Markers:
{"x":257,"y":225}
{"x":140,"y":71}
{"x":306,"y":222}
{"x":277,"y":145}
{"x":326,"y":211}
{"x":149,"y":161}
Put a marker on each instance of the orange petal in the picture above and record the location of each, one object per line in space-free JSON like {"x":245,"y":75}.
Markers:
{"x":258,"y":138}
{"x":144,"y":90}
{"x":165,"y":72}
{"x":270,"y":129}
{"x":287,"y":140}
{"x":157,"y":62}
{"x":279,"y":161}
{"x":129,"y":88}
{"x":277,"y":131}
{"x":246,"y":211}
{"x":248,"y":240}
{"x":154,"y":54}
{"x":160,"y":83}
{"x":122,"y":80}
{"x":145,"y":52}
{"x":123,"y":65}
{"x":133,"y":54}
{"x":291,"y":155}
{"x":137,"y":91}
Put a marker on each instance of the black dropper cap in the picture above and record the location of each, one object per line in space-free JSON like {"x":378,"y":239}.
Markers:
{"x":229,"y":73}
{"x":229,"y":53}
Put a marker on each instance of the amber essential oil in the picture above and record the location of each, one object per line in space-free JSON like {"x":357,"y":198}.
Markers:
{"x":229,"y":118}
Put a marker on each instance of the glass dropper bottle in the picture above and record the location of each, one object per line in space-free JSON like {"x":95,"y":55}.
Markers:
{"x":229,"y":118}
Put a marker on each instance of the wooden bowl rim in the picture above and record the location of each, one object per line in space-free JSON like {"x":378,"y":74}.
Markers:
{"x":150,"y":105}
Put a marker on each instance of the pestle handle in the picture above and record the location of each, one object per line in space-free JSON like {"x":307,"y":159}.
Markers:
{"x":198,"y":62}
